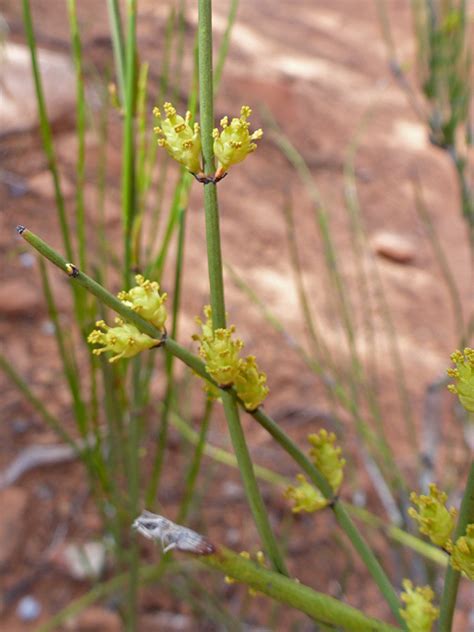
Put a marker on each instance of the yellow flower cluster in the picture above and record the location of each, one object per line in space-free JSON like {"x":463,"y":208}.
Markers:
{"x":146,"y":300}
{"x":463,"y":375}
{"x":434,"y":518}
{"x":437,"y":522}
{"x":182,"y":140}
{"x":327,"y":457}
{"x":305,"y":496}
{"x":418,"y":612}
{"x":234,"y":143}
{"x":125,"y":340}
{"x":221,"y":353}
{"x":462,"y":557}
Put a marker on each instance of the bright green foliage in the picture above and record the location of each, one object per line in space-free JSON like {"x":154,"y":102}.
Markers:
{"x":434,"y":519}
{"x":125,"y":340}
{"x":251,"y":384}
{"x":146,"y":300}
{"x":327,"y":457}
{"x":219,"y":351}
{"x":234,"y":142}
{"x":462,"y":557}
{"x":419,"y":612}
{"x":463,"y":375}
{"x":305,"y":496}
{"x":181,"y":140}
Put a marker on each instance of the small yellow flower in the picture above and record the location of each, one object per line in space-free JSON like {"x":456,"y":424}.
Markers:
{"x":234,"y":142}
{"x":419,"y":612}
{"x":434,"y":519}
{"x":305,"y":496}
{"x":125,"y":340}
{"x":146,"y":300}
{"x":462,"y":557}
{"x":219,"y":351}
{"x":327,"y":457}
{"x":250,"y":383}
{"x":181,"y":140}
{"x":463,"y":375}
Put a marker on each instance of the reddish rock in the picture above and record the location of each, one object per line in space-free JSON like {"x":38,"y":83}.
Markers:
{"x":393,"y":246}
{"x":18,"y":109}
{"x":18,"y":298}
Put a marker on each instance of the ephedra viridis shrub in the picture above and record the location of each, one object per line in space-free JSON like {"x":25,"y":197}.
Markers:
{"x":123,"y":348}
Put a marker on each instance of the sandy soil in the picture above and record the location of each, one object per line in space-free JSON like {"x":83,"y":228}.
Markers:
{"x":319,"y":68}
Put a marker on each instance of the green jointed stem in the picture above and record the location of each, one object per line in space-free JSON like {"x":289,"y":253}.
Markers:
{"x":216,"y":283}
{"x":317,"y":605}
{"x":118,"y":44}
{"x":452,"y":577}
{"x":128,"y":156}
{"x":263,"y":419}
{"x":80,"y":131}
{"x":225,"y":42}
{"x":169,"y":362}
{"x":45,"y":128}
{"x":195,"y":465}
{"x":53,"y":422}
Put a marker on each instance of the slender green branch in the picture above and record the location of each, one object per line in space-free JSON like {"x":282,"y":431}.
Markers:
{"x":36,"y":403}
{"x":317,"y":605}
{"x":195,"y":465}
{"x":170,"y":389}
{"x":259,"y":415}
{"x":452,"y":577}
{"x":118,"y":44}
{"x":128,"y":157}
{"x":216,"y":283}
{"x":80,"y":131}
{"x":45,"y":128}
{"x":224,"y":47}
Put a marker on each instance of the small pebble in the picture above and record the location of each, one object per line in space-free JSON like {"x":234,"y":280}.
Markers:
{"x":27,"y":260}
{"x":393,"y":246}
{"x":47,"y":327}
{"x":20,"y":426}
{"x":28,"y":608}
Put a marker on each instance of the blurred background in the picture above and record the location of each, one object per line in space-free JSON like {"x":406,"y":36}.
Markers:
{"x":347,"y":240}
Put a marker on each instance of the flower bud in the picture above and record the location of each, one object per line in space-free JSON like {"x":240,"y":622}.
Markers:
{"x":146,"y":300}
{"x":463,"y":376}
{"x":433,"y":517}
{"x":181,"y":141}
{"x":419,"y":612}
{"x":234,"y":142}
{"x":250,"y":383}
{"x":305,"y":496}
{"x":462,"y":556}
{"x":327,"y":457}
{"x":125,"y":340}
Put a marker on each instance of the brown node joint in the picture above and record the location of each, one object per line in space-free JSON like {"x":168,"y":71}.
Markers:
{"x":72,"y":270}
{"x":207,"y":179}
{"x":333,"y":501}
{"x":162,"y":340}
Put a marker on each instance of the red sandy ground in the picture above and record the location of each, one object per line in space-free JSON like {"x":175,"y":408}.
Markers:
{"x":318,"y":67}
